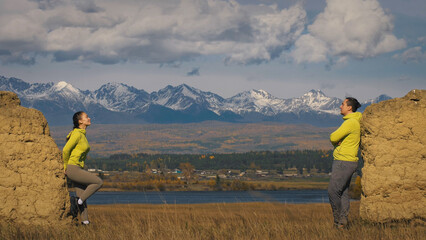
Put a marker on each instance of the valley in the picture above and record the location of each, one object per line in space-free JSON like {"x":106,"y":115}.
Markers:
{"x":198,"y":138}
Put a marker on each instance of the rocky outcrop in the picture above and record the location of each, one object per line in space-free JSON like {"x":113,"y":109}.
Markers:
{"x":393,"y":137}
{"x":32,"y":183}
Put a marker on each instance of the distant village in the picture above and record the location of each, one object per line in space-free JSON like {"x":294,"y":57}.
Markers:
{"x":229,"y":174}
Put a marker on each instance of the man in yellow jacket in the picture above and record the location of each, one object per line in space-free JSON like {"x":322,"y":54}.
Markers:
{"x":346,"y":143}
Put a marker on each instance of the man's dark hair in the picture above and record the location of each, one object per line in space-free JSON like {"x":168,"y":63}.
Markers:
{"x":353,"y":103}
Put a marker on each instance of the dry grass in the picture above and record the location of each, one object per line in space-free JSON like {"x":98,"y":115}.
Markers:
{"x":216,"y":221}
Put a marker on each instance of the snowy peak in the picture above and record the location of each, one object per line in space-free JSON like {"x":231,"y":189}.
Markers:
{"x":66,"y":87}
{"x":263,"y":102}
{"x":188,"y":91}
{"x":63,"y":94}
{"x":253,"y":94}
{"x":117,"y":90}
{"x":182,"y":90}
{"x":254,"y":101}
{"x":119,"y":97}
{"x":314,"y":93}
{"x":315,"y":96}
{"x":177,"y":98}
{"x":260,"y":94}
{"x":38,"y":89}
{"x":61,"y":85}
{"x":316,"y":100}
{"x":380,"y":98}
{"x":183,"y":96}
{"x":13,"y":84}
{"x":260,"y":97}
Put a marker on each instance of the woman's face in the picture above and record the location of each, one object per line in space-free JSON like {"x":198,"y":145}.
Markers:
{"x":84,"y":120}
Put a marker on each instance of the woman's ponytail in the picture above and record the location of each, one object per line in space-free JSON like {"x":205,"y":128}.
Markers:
{"x":75,"y":118}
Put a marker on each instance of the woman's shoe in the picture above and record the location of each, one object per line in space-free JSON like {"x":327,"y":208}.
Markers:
{"x":81,"y":206}
{"x":74,"y":207}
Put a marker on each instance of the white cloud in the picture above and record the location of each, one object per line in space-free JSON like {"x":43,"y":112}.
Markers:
{"x":310,"y":49}
{"x":414,"y":54}
{"x":348,"y":28}
{"x":173,"y":31}
{"x":149,"y":31}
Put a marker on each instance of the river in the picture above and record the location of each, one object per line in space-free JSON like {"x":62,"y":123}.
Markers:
{"x":189,"y":197}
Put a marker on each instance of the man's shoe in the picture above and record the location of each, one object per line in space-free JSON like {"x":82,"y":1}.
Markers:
{"x":340,"y":226}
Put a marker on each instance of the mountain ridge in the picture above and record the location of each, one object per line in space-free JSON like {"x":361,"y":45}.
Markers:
{"x":121,"y":103}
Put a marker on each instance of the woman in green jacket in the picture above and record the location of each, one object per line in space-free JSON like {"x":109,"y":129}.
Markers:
{"x":74,"y":154}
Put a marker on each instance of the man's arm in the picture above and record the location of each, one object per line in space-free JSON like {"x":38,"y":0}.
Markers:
{"x":337,"y":136}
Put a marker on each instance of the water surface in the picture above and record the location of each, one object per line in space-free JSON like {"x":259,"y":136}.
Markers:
{"x":289,"y":196}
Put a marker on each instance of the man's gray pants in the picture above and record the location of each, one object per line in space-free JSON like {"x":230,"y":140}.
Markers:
{"x":338,"y":189}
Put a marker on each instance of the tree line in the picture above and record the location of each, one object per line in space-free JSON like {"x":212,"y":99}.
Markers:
{"x":320,"y":160}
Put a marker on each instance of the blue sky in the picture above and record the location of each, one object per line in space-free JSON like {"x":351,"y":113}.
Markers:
{"x":360,"y":48}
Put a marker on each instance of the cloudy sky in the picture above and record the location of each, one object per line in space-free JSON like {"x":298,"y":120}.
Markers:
{"x":360,"y":48}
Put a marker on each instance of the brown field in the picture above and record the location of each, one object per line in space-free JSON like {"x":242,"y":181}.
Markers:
{"x":205,"y":137}
{"x":286,"y":185}
{"x":217,"y":221}
{"x":210,"y":185}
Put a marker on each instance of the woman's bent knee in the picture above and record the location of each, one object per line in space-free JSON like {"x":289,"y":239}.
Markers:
{"x":100,"y":182}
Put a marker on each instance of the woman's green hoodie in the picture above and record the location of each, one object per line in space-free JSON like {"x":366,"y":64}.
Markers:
{"x":346,"y":138}
{"x":76,"y":148}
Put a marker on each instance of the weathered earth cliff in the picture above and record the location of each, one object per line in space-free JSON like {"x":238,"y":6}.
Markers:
{"x":393,"y":143}
{"x":32,"y":183}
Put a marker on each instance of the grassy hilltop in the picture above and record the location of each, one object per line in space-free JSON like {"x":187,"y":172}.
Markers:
{"x":217,"y":221}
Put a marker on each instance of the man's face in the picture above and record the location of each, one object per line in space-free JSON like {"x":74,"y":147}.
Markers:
{"x":344,"y":108}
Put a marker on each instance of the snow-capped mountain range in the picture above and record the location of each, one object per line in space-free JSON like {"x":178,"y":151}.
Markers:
{"x":120,"y":103}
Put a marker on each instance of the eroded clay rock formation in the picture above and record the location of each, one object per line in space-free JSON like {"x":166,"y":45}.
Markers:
{"x":393,"y":142}
{"x":32,"y":184}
